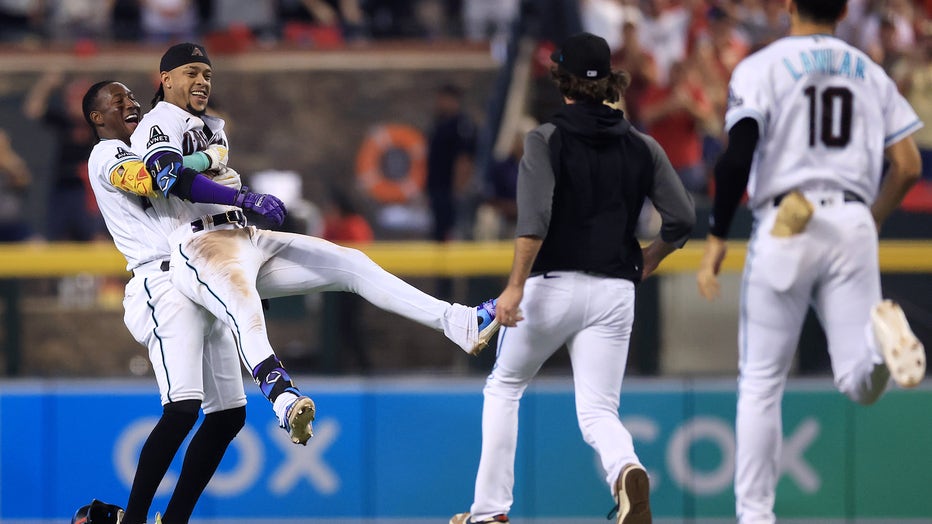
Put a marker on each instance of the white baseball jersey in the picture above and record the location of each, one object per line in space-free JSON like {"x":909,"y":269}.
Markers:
{"x":815,"y":99}
{"x":131,"y":221}
{"x":169,"y":127}
{"x":825,"y":114}
{"x":184,"y":341}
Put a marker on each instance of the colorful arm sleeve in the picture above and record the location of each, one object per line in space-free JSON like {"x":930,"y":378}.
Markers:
{"x":197,"y":161}
{"x":166,"y":167}
{"x":131,"y":176}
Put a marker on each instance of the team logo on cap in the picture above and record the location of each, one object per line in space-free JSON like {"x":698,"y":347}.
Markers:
{"x":196,"y":52}
{"x":592,"y":73}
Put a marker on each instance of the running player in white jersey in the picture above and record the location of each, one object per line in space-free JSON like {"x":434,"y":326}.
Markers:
{"x":191,"y":351}
{"x":219,"y":262}
{"x":810,"y":120}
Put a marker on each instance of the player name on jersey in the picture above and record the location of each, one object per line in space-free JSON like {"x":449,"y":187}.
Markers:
{"x":832,"y":62}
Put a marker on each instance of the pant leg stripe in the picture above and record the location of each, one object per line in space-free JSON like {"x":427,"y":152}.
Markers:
{"x":155,"y":332}
{"x":237,"y":337}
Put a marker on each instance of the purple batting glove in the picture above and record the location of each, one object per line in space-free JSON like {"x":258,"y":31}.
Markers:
{"x":269,"y":206}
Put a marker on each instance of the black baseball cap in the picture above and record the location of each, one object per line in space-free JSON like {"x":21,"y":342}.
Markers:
{"x":584,"y":55}
{"x":181,"y":54}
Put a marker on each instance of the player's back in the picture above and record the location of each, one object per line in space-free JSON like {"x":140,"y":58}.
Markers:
{"x":826,"y":111}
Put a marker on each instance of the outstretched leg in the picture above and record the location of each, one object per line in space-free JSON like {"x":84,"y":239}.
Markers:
{"x":303,"y":264}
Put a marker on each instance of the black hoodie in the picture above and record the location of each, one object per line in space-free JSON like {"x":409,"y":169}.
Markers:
{"x":602,"y":171}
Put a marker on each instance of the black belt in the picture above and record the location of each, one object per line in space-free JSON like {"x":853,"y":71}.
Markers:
{"x":229,"y":217}
{"x":547,"y":274}
{"x":163,"y":266}
{"x":847,"y":196}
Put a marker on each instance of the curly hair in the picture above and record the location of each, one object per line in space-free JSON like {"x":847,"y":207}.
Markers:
{"x":608,"y":89}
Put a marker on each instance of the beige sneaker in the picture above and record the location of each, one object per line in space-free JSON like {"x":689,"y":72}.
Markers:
{"x":902,"y":351}
{"x":300,"y":414}
{"x":463,"y":518}
{"x":632,"y":494}
{"x":793,"y":214}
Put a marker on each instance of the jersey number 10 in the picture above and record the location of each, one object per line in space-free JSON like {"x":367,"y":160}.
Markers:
{"x":823,"y":109}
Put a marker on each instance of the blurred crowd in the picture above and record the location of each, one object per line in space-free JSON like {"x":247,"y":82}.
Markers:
{"x":309,"y":22}
{"x":679,"y":53}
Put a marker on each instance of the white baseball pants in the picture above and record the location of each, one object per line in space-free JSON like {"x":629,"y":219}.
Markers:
{"x":229,"y":270}
{"x":832,"y":266}
{"x":188,"y":347}
{"x":593,"y":317}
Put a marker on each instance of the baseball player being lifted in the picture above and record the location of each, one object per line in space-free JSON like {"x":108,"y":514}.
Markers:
{"x":227,"y":267}
{"x":810,"y":119}
{"x":186,"y":343}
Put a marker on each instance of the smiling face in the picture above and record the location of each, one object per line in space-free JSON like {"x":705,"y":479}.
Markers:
{"x":188,"y":87}
{"x":116,"y":112}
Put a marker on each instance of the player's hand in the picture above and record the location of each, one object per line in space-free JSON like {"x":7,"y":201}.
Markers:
{"x":217,"y":155}
{"x":507,"y":311}
{"x":653,"y":254}
{"x":269,"y":206}
{"x":709,"y":267}
{"x":226,"y":176}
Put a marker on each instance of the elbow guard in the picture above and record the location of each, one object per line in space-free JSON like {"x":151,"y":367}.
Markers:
{"x":168,"y":170}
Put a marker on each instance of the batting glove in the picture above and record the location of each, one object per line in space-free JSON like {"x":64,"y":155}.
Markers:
{"x":217,"y":155}
{"x":226,"y":176}
{"x":269,"y":206}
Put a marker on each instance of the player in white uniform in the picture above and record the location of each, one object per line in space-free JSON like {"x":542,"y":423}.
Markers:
{"x":810,"y":119}
{"x":219,"y":262}
{"x":190,"y":350}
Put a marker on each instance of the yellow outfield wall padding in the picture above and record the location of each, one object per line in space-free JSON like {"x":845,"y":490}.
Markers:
{"x":456,"y":259}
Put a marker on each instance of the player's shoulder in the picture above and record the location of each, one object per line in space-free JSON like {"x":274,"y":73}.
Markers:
{"x":164,"y":112}
{"x":109,"y":153}
{"x":544,"y":130}
{"x":158,"y":124}
{"x":762,"y":58}
{"x":543,"y":133}
{"x":214,"y":123}
{"x":111,"y":148}
{"x":644,"y":137}
{"x":649,"y":143}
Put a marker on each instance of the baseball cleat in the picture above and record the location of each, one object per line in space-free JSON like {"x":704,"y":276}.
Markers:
{"x":793,"y":213}
{"x":632,"y":496}
{"x":300,"y":414}
{"x":488,"y":325}
{"x":463,"y":518}
{"x":902,"y":351}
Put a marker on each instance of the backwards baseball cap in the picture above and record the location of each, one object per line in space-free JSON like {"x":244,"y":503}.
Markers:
{"x":181,"y":54}
{"x":584,"y":55}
